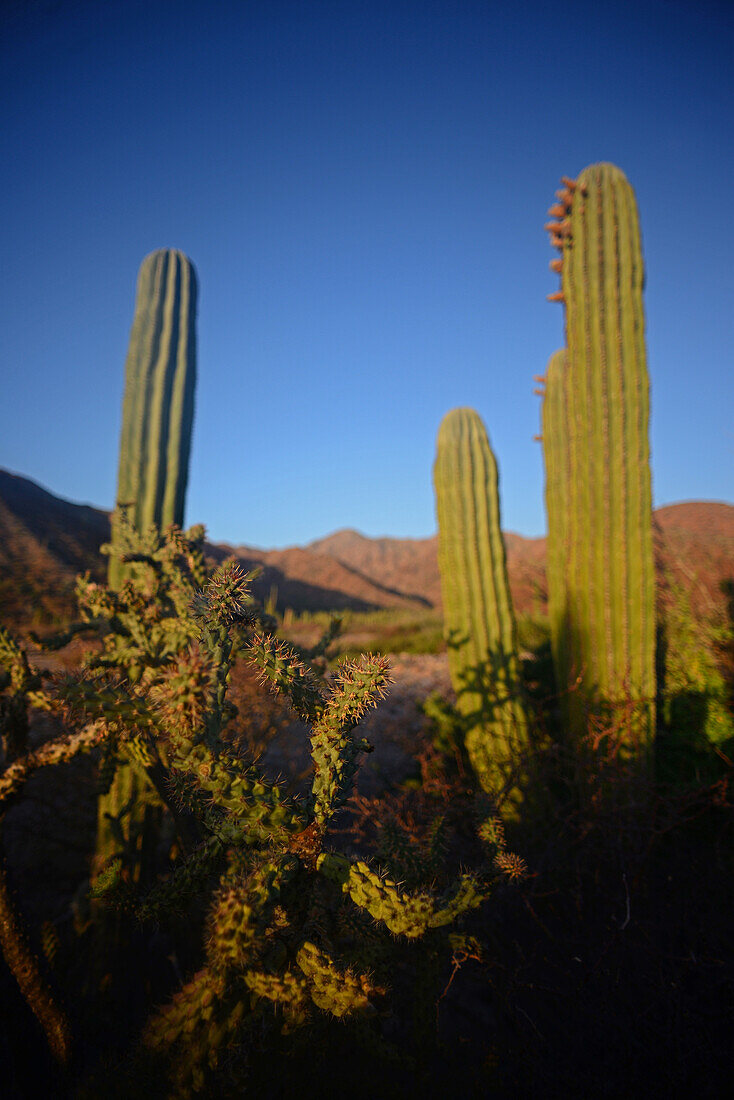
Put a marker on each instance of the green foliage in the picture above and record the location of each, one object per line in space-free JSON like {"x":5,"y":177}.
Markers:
{"x":448,"y":726}
{"x":598,"y":485}
{"x":275,"y":896}
{"x":478,"y":617}
{"x":394,"y":630}
{"x":695,"y":712}
{"x":416,"y":638}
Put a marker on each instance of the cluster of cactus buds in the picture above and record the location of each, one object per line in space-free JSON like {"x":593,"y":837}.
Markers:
{"x":560,"y":227}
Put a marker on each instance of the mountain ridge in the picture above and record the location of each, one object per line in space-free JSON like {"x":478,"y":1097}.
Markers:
{"x":46,"y":540}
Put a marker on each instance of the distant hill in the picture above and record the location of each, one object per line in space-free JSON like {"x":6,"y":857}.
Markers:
{"x":694,"y":547}
{"x":411,"y":565}
{"x":46,"y":541}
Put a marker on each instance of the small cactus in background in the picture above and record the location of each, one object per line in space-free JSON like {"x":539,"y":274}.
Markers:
{"x":595,"y":434}
{"x":158,"y":405}
{"x":479,"y":621}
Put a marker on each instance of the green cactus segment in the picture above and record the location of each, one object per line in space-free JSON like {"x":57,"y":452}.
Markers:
{"x":158,"y":406}
{"x":242,"y":911}
{"x":336,"y":753}
{"x":185,"y":881}
{"x":405,"y":914}
{"x":609,"y":573}
{"x":287,"y":991}
{"x":334,"y":990}
{"x":479,"y":622}
{"x":200,"y":1024}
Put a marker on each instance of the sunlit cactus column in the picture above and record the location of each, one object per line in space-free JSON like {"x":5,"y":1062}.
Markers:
{"x":158,"y":405}
{"x":601,"y":571}
{"x":479,"y":622}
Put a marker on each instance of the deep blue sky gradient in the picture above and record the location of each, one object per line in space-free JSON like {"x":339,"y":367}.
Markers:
{"x":362,"y":187}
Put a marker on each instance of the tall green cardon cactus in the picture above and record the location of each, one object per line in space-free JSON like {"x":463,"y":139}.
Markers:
{"x":478,"y":617}
{"x":155,"y":441}
{"x":158,"y":406}
{"x":598,"y":490}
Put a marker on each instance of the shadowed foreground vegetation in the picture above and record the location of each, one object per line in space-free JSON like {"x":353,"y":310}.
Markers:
{"x":599,"y":962}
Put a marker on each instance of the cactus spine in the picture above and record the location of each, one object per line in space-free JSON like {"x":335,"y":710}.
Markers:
{"x":596,"y":415}
{"x":158,"y":406}
{"x":479,"y":622}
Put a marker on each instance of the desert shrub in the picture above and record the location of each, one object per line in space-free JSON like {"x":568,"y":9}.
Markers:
{"x":697,"y":722}
{"x":293,"y":933}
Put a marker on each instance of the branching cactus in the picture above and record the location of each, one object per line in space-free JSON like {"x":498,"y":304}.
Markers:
{"x":596,"y":429}
{"x":479,"y":621}
{"x":158,"y":405}
{"x":278,"y":895}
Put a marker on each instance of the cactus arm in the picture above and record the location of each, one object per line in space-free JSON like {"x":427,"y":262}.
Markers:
{"x":405,"y":914}
{"x":334,"y":750}
{"x":334,"y":990}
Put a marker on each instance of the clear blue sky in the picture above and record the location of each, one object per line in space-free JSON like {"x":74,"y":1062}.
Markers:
{"x":362,"y":187}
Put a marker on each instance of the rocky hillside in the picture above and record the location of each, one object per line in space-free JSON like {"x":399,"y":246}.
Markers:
{"x":46,"y":541}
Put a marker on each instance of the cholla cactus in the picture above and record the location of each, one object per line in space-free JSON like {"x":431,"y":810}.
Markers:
{"x":144,"y":623}
{"x":276,"y":893}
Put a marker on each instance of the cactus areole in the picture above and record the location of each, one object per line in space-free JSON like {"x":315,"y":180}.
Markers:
{"x":596,"y":441}
{"x":158,"y":405}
